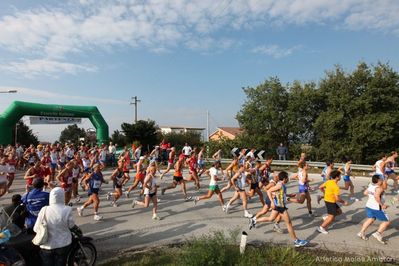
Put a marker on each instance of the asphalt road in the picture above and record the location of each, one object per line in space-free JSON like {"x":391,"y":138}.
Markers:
{"x":124,"y":228}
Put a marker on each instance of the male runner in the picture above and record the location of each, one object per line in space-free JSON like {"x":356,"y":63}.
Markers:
{"x":331,"y":197}
{"x":375,"y":209}
{"x":279,"y":206}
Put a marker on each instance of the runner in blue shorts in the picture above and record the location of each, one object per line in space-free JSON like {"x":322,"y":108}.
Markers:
{"x":346,"y":171}
{"x":93,"y":184}
{"x":375,"y":210}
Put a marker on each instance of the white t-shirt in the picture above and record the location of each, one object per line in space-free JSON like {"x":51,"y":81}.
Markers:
{"x":112,"y":149}
{"x":187,"y":150}
{"x":214,"y":173}
{"x":372,"y":202}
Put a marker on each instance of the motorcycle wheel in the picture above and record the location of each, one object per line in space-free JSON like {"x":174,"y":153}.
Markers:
{"x":78,"y":258}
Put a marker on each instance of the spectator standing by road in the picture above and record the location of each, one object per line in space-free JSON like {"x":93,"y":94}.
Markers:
{"x":187,"y":151}
{"x":112,"y":153}
{"x":282,"y":152}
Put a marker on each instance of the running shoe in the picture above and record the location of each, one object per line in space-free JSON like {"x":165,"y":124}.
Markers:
{"x":252,"y":223}
{"x":322,"y":230}
{"x":114,"y":204}
{"x":97,"y":217}
{"x":361,"y":235}
{"x":77,"y":199}
{"x":133,"y":204}
{"x":226,"y":209}
{"x":223,"y":208}
{"x":80,"y":211}
{"x":354,"y":199}
{"x":188,"y":198}
{"x":378,"y":236}
{"x":247,"y":214}
{"x":300,"y":243}
{"x":155,"y":217}
{"x":163,"y":191}
{"x":196,"y":199}
{"x":277,"y":228}
{"x":108,"y":196}
{"x":127,"y":194}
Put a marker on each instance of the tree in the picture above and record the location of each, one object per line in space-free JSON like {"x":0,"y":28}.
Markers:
{"x":118,"y":138}
{"x":146,"y":132}
{"x":72,"y":133}
{"x":346,"y":114}
{"x":263,"y":116}
{"x":25,"y":135}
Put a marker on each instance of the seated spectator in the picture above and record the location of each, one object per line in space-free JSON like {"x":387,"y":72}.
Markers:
{"x":17,"y":211}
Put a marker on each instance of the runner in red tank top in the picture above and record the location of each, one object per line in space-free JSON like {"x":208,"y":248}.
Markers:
{"x":171,"y":161}
{"x":193,"y":173}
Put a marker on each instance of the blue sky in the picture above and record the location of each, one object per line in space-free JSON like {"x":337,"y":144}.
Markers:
{"x":180,"y":57}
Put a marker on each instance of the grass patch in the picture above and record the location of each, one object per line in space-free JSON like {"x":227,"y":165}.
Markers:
{"x":218,"y":248}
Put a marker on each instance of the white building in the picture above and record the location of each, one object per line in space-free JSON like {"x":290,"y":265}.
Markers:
{"x":180,"y":129}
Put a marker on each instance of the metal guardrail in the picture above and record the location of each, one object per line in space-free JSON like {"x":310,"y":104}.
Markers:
{"x":361,"y":167}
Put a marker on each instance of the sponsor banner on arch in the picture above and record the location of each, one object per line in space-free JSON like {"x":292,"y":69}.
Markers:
{"x":43,"y":120}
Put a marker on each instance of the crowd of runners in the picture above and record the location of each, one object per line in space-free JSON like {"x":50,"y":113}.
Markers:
{"x":79,"y":169}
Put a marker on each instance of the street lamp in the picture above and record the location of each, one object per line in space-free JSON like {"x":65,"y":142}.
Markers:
{"x":9,"y":91}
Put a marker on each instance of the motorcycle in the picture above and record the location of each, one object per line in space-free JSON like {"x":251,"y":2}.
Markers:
{"x":82,"y":251}
{"x":17,"y":249}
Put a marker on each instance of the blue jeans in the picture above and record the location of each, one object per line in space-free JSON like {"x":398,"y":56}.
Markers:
{"x":281,"y":157}
{"x":54,"y":257}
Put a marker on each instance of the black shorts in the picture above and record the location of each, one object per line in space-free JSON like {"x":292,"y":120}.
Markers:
{"x":281,"y":209}
{"x":151,"y":195}
{"x":254,"y":185}
{"x":332,"y":208}
{"x":178,"y":179}
{"x":117,"y":185}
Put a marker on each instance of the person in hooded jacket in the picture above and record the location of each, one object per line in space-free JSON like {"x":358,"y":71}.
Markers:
{"x":59,"y":220}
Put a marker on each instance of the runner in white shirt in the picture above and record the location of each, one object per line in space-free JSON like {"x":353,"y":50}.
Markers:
{"x":375,"y":209}
{"x":150,"y":188}
{"x":379,"y":168}
{"x":213,"y":173}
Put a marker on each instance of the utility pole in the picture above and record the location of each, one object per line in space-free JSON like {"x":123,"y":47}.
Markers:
{"x":134,"y":102}
{"x":207,"y":125}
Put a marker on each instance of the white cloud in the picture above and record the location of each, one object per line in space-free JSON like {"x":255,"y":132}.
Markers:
{"x":44,"y":94}
{"x":275,"y":50}
{"x":36,"y":67}
{"x":79,"y":26}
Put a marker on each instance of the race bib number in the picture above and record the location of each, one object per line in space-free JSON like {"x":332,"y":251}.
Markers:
{"x":96,"y":184}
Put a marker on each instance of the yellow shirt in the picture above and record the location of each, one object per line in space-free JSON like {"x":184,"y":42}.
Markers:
{"x":331,"y":191}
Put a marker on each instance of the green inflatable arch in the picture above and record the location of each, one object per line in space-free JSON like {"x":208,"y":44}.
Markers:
{"x":18,"y":109}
